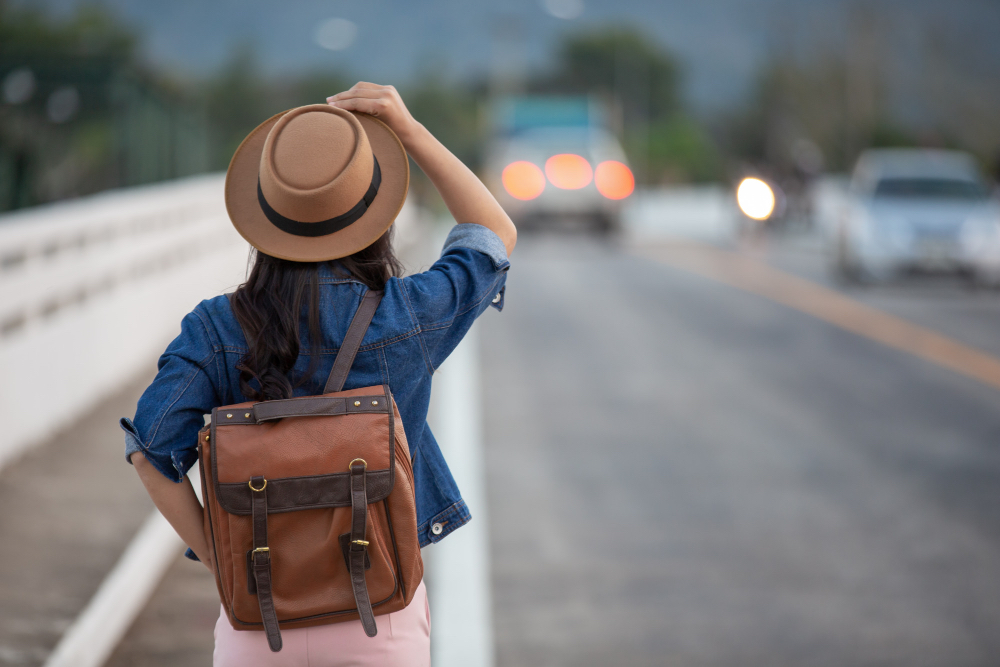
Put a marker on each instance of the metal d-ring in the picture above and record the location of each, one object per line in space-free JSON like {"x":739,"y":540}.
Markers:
{"x":250,"y":484}
{"x":363,"y":462}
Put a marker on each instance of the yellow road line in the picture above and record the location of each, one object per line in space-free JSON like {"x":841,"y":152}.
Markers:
{"x":828,"y":305}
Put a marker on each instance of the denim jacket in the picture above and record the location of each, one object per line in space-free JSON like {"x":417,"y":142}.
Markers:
{"x":420,"y":320}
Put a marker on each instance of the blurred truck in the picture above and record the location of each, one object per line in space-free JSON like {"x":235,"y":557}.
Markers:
{"x":555,"y":158}
{"x":915,"y":209}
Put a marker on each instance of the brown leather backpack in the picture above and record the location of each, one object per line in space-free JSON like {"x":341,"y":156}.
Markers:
{"x":309,"y":505}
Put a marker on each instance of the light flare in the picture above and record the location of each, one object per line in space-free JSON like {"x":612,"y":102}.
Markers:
{"x":523,"y":180}
{"x":755,"y":198}
{"x":568,"y":171}
{"x":614,"y":180}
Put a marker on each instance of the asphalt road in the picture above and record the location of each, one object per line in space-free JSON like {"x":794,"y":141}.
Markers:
{"x":682,"y":473}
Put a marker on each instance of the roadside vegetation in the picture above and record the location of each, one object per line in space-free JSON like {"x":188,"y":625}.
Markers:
{"x":81,"y":111}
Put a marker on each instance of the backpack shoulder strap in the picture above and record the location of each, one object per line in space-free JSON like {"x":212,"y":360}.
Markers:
{"x":352,"y":341}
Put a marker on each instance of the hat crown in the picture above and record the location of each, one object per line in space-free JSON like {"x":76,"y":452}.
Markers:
{"x":316,"y":163}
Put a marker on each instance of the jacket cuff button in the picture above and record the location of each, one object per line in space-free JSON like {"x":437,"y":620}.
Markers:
{"x":437,"y":529}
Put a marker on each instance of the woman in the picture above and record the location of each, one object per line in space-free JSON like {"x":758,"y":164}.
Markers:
{"x":289,"y":191}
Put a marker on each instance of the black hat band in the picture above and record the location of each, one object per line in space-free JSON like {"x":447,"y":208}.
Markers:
{"x":323,"y":227}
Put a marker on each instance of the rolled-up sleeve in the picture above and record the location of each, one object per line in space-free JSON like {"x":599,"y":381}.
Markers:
{"x":172,"y":409}
{"x":446,"y":299}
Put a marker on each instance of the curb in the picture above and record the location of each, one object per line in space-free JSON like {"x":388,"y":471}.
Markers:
{"x":93,"y":636}
{"x":460,"y":589}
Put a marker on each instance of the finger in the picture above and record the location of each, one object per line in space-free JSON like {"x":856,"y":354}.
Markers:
{"x":368,"y":93}
{"x":366,"y":84}
{"x":361,"y":104}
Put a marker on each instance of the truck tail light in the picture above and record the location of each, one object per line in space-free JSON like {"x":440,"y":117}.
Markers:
{"x":568,"y":171}
{"x":614,"y":180}
{"x":523,"y":180}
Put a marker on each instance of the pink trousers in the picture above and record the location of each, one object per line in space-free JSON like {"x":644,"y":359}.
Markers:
{"x":404,"y":638}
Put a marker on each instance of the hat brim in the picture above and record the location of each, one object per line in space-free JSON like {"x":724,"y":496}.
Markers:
{"x":250,"y":221}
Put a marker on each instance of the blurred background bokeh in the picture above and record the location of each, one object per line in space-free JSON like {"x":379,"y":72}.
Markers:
{"x":99,"y":95}
{"x":760,"y":246}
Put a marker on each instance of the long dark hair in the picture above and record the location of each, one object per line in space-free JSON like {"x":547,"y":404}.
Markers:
{"x":270,"y":304}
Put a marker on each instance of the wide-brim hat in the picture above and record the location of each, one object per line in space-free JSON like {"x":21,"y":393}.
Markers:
{"x":316,"y":183}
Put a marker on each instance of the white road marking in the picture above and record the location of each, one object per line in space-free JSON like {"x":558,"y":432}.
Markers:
{"x":96,"y":632}
{"x":751,"y":275}
{"x":460,"y":597}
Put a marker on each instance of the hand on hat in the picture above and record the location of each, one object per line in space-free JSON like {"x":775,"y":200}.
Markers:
{"x":462,"y":191}
{"x":382,"y":102}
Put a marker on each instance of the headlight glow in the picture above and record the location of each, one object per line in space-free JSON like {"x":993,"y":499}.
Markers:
{"x":755,"y":198}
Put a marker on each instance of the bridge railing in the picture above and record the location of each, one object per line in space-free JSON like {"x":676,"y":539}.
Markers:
{"x":93,"y":289}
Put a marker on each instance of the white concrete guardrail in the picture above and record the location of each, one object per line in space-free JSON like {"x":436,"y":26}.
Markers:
{"x":459,"y":567}
{"x":92,"y":290}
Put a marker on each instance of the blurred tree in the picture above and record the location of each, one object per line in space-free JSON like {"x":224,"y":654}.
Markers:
{"x":796,"y":101}
{"x":641,"y":80}
{"x":621,"y":64}
{"x":37,"y":59}
{"x":790,"y":101}
{"x":237,"y":99}
{"x":78,"y":112}
{"x":450,"y":112}
{"x":27,"y":31}
{"x":680,"y":150}
{"x":314,"y":87}
{"x":886,"y":134}
{"x":873,"y":86}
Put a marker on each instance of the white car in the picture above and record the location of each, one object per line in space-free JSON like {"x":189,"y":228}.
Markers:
{"x":571,"y":171}
{"x":917,"y":209}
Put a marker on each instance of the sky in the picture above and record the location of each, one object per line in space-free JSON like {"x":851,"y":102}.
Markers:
{"x":720,"y":44}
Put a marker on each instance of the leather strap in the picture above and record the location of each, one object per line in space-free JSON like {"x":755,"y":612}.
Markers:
{"x":359,"y":547}
{"x":291,"y":494}
{"x":352,"y":341}
{"x":261,"y":557}
{"x":317,"y":406}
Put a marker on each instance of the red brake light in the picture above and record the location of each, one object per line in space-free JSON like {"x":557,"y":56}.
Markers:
{"x":568,"y":171}
{"x":614,"y":180}
{"x":523,"y":180}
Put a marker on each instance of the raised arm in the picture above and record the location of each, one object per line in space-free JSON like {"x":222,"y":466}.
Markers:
{"x":463,"y":193}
